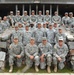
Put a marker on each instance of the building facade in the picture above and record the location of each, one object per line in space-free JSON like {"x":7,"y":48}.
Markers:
{"x":61,"y":6}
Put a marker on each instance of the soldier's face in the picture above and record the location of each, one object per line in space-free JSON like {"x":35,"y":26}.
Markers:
{"x":44,"y":42}
{"x":16,"y":28}
{"x":20,"y":26}
{"x":18,"y":13}
{"x":55,"y":25}
{"x":27,"y":27}
{"x":32,"y":41}
{"x":60,"y":42}
{"x":47,"y":13}
{"x":39,"y":26}
{"x":33,"y":13}
{"x":44,"y":25}
{"x":60,"y":30}
{"x":15,"y":40}
{"x":5,"y":18}
{"x":40,"y":13}
{"x":50,"y":27}
{"x":25,"y":13}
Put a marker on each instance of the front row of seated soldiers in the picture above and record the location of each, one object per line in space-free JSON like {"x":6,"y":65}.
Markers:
{"x":42,"y":55}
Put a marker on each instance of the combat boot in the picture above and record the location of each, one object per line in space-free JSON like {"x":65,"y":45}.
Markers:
{"x":48,"y":69}
{"x":55,"y":68}
{"x":11,"y":69}
{"x":36,"y":69}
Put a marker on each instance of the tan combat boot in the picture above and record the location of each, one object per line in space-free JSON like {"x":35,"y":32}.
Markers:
{"x":36,"y":69}
{"x":55,"y":68}
{"x":48,"y":69}
{"x":11,"y":69}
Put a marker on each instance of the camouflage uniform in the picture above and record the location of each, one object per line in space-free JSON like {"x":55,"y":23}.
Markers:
{"x":47,"y":51}
{"x":60,"y":52}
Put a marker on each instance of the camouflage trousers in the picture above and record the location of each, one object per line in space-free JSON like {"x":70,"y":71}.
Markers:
{"x":60,"y":64}
{"x":47,"y":61}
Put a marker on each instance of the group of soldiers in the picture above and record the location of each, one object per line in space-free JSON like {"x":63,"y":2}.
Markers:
{"x":37,"y":39}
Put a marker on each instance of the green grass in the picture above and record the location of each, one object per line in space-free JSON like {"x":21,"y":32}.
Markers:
{"x":32,"y":70}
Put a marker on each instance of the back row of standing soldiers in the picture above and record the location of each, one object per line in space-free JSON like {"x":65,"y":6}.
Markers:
{"x":38,"y":39}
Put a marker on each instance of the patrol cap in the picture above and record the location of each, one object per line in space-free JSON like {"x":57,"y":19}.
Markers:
{"x":71,"y":13}
{"x":40,"y":11}
{"x":55,"y":22}
{"x":38,"y":23}
{"x":19,"y":23}
{"x":16,"y":25}
{"x":25,"y":11}
{"x":33,"y":11}
{"x":32,"y":23}
{"x":32,"y":38}
{"x":50,"y":24}
{"x":66,"y":12}
{"x":15,"y":37}
{"x":11,"y":12}
{"x":18,"y":11}
{"x":60,"y":38}
{"x":47,"y":11}
{"x":44,"y":23}
{"x":60,"y":28}
{"x":27,"y":25}
{"x":44,"y":38}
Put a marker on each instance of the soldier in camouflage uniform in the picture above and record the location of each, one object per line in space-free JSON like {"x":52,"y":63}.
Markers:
{"x":71,"y":19}
{"x":56,"y":18}
{"x":17,"y":33}
{"x":38,"y":34}
{"x":47,"y":17}
{"x":18,"y":17}
{"x":40,"y":17}
{"x":5,"y":23}
{"x":59,"y":54}
{"x":16,"y":52}
{"x":33,"y":18}
{"x":50,"y":34}
{"x":60,"y":34}
{"x":65,"y":19}
{"x":25,"y":18}
{"x":27,"y":35}
{"x":45,"y":50}
{"x":31,"y":51}
{"x":11,"y":18}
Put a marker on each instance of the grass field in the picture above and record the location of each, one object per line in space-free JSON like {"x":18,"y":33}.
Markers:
{"x":32,"y":70}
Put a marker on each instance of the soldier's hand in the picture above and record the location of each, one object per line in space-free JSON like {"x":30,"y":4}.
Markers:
{"x":59,"y":59}
{"x":31,"y":57}
{"x":42,"y":56}
{"x":18,"y":56}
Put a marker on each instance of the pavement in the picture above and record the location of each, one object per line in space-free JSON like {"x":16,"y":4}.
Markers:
{"x":36,"y":74}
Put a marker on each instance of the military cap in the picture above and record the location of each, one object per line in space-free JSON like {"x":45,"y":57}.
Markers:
{"x":47,"y":11}
{"x":50,"y":24}
{"x":33,"y":11}
{"x":27,"y":25}
{"x":66,"y":12}
{"x":16,"y":25}
{"x":61,"y":38}
{"x":44,"y":38}
{"x":31,"y":23}
{"x":11,"y":12}
{"x":32,"y":38}
{"x":15,"y":37}
{"x":60,"y":28}
{"x":40,"y":11}
{"x":18,"y":11}
{"x":25,"y":11}
{"x":44,"y":23}
{"x":71,"y":13}
{"x":19,"y":23}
